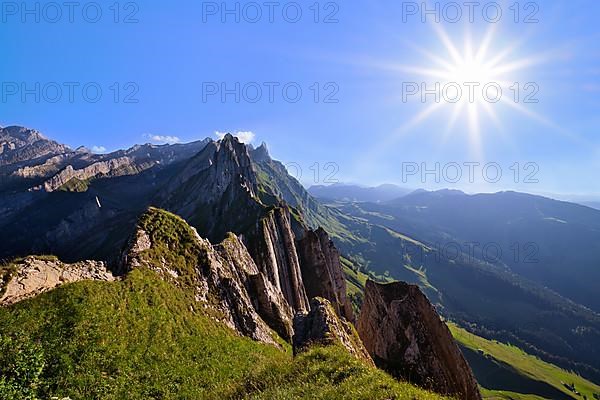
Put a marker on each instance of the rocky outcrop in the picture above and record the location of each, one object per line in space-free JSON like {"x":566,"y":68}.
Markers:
{"x":405,"y":336}
{"x":261,"y":153}
{"x":34,"y":275}
{"x":219,"y":190}
{"x":223,"y":278}
{"x":253,"y":294}
{"x":322,"y":326}
{"x":322,"y":271}
{"x":224,"y":180}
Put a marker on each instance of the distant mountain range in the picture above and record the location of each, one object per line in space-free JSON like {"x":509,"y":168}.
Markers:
{"x":551,"y":242}
{"x":78,"y":205}
{"x":548,"y":241}
{"x":348,"y":192}
{"x":389,"y":191}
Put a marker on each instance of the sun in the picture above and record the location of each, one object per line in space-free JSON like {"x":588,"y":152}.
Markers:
{"x":472,"y":81}
{"x":470,"y":70}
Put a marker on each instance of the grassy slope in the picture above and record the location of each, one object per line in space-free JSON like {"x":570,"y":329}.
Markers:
{"x":142,"y":338}
{"x":527,"y":365}
{"x":75,"y":185}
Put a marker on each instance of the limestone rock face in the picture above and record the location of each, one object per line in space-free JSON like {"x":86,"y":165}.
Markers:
{"x":83,"y":165}
{"x":34,"y":276}
{"x":322,"y":271}
{"x":273,"y":247}
{"x":222,"y":286}
{"x":322,"y":326}
{"x":223,"y":278}
{"x":28,"y":158}
{"x":50,"y":166}
{"x":114,"y":167}
{"x":405,"y":336}
{"x":267,"y":299}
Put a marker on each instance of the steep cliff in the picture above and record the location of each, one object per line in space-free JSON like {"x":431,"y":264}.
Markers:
{"x":273,"y":247}
{"x":322,"y":272}
{"x":221,"y":190}
{"x":267,"y":299}
{"x":406,"y":337}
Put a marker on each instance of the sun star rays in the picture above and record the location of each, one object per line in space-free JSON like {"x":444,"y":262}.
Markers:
{"x":474,"y":80}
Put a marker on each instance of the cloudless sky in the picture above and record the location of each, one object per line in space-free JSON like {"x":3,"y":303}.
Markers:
{"x":358,"y":54}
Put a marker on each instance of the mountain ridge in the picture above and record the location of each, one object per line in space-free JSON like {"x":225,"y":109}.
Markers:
{"x":223,"y":282}
{"x":270,"y":212}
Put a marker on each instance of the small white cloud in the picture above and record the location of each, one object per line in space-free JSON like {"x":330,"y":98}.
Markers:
{"x":243,"y":136}
{"x":98,"y":149}
{"x":160,"y":139}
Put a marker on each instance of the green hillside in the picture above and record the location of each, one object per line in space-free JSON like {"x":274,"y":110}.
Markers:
{"x":508,"y":307}
{"x":143,"y":338}
{"x":499,"y":366}
{"x":510,"y":365}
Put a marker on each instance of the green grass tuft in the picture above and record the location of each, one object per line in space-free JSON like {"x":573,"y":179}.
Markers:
{"x":327,"y":373}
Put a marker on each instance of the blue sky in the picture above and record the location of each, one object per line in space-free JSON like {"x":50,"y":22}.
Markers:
{"x":356,"y":125}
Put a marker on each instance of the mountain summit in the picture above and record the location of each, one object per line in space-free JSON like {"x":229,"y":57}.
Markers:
{"x":22,"y":145}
